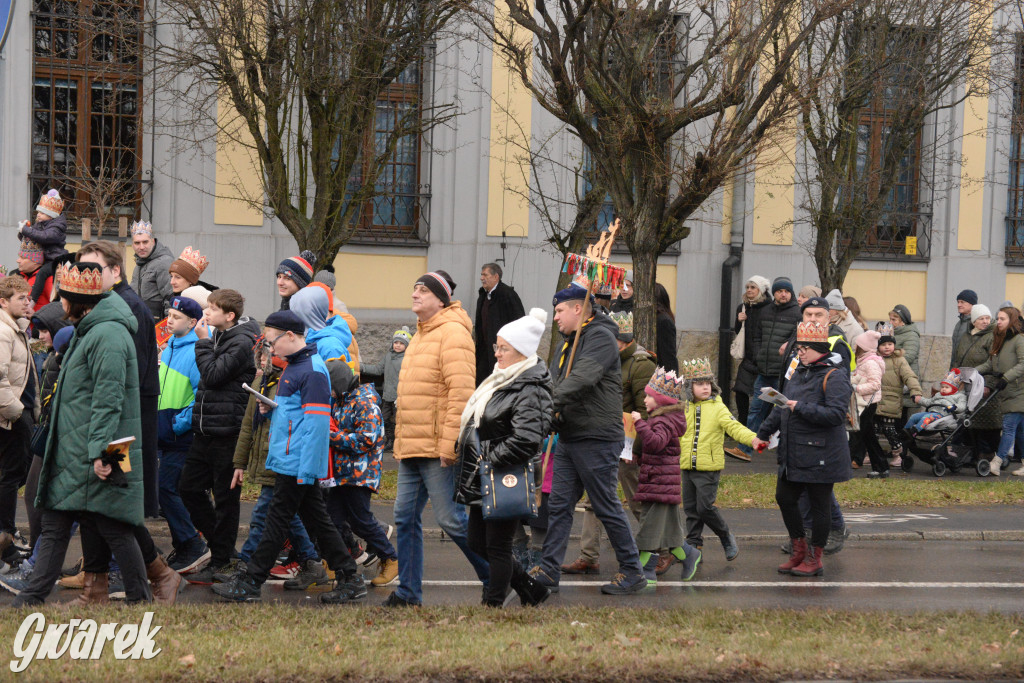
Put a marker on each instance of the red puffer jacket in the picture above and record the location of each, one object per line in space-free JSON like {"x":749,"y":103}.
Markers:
{"x":659,"y":476}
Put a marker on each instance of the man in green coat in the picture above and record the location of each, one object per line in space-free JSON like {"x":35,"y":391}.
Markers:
{"x":96,"y":401}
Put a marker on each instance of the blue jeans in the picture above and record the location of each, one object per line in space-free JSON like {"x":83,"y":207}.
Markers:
{"x":757,"y":407}
{"x":591,"y":466}
{"x":183,"y":532}
{"x":1013,"y":431}
{"x":418,"y":480}
{"x":300,"y":539}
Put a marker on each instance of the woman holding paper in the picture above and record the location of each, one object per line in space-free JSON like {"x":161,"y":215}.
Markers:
{"x":96,"y":401}
{"x":813,"y":451}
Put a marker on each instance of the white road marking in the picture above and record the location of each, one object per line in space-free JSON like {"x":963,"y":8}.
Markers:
{"x":793,"y":583}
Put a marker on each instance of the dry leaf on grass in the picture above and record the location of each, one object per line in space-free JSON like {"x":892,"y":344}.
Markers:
{"x":188,"y":660}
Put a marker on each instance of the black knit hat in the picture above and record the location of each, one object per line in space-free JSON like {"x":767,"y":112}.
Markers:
{"x":440,"y":284}
{"x":286,"y":321}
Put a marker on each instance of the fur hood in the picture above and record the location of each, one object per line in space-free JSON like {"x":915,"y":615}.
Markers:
{"x":667,"y":410}
{"x":715,"y":391}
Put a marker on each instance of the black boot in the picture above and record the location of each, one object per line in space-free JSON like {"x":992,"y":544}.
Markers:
{"x":531,"y":592}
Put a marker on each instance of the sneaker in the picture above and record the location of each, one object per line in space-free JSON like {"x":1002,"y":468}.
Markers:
{"x":896,"y":462}
{"x":372,"y":558}
{"x":390,"y":532}
{"x":241,"y":588}
{"x":884,"y":474}
{"x":394,"y":600}
{"x":73,"y":570}
{"x":284,"y":572}
{"x":76,"y":582}
{"x":541,"y":577}
{"x":730,"y":547}
{"x":995,"y":464}
{"x":387,"y":574}
{"x":1018,"y":472}
{"x":691,"y":562}
{"x":14,"y":583}
{"x":228,"y":571}
{"x":311,"y":575}
{"x":349,"y":590}
{"x":836,"y":540}
{"x":623,"y":585}
{"x":581,"y":565}
{"x":208,"y":575}
{"x":189,"y":559}
{"x":115,"y":585}
{"x":738,"y":454}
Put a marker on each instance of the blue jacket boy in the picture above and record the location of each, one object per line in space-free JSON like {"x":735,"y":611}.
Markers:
{"x":179,"y":379}
{"x":300,"y":425}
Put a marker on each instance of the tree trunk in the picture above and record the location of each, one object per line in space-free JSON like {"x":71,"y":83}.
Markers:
{"x":645,"y":317}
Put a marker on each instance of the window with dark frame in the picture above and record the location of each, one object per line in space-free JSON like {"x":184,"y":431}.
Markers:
{"x":1015,"y":183}
{"x":86,"y":113}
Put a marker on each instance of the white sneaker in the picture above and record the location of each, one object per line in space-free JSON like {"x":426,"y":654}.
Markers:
{"x":390,"y":532}
{"x":995,"y":464}
{"x":1018,"y":472}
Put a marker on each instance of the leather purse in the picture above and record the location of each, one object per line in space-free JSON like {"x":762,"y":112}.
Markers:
{"x":40,"y":434}
{"x":507,"y":492}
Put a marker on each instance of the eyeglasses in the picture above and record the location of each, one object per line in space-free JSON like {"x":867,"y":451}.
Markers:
{"x":501,"y":349}
{"x":268,"y":344}
{"x":801,"y":349}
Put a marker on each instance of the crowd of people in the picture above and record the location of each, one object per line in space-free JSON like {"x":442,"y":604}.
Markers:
{"x":161,"y":398}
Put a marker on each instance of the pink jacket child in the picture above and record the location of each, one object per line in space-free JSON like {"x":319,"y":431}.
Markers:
{"x":867,"y":378}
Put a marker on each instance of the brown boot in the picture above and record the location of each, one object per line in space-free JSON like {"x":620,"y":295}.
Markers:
{"x":165,"y":582}
{"x":796,"y":556}
{"x":665,"y":562}
{"x":95,"y":590}
{"x":811,"y":566}
{"x":581,"y":565}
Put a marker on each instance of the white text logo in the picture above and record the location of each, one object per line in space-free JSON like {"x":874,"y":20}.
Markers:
{"x":82,"y":639}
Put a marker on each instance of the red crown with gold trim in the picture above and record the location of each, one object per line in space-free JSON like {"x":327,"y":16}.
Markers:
{"x":80,"y":282}
{"x":50,"y":204}
{"x":195,"y":259}
{"x":810,"y":332}
{"x":666,"y":384}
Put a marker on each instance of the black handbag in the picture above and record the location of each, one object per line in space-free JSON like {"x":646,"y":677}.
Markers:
{"x":507,"y":492}
{"x":38,"y":441}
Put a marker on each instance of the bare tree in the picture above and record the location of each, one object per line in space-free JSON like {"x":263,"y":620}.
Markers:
{"x":304,"y":79}
{"x":871,"y":84}
{"x":670,"y":97}
{"x":110,"y":187}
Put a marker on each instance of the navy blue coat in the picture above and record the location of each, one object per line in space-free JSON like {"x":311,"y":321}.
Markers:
{"x":813,"y":447}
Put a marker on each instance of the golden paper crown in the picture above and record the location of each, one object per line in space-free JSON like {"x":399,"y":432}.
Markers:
{"x":195,"y":259}
{"x":80,"y":282}
{"x":666,"y":384}
{"x":810,"y":332}
{"x":696,"y":369}
{"x":624,"y":320}
{"x":142,"y":228}
{"x":51,"y":204}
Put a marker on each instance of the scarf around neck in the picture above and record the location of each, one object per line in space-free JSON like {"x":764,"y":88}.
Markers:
{"x":499,"y":379}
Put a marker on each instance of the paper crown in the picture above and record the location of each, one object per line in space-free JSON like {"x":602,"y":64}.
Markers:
{"x":195,"y":259}
{"x":624,"y":320}
{"x":666,"y":384}
{"x":810,"y":332}
{"x":80,"y":282}
{"x":30,"y":250}
{"x":886,"y":330}
{"x":696,"y":369}
{"x":50,"y":204}
{"x":953,"y":378}
{"x":142,"y":228}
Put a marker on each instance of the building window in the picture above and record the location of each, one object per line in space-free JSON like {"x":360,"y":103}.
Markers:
{"x":398,"y":213}
{"x":86,"y":118}
{"x":1015,"y":186}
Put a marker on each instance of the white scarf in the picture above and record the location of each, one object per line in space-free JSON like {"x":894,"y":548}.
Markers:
{"x":500,"y":378}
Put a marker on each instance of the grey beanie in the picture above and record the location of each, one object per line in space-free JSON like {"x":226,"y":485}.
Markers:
{"x":327,"y":278}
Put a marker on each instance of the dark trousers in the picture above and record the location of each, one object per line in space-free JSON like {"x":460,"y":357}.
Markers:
{"x":183,"y":531}
{"x":308,"y":502}
{"x":99,"y":559}
{"x":493,"y":542}
{"x":351,"y":505}
{"x":388,"y":414}
{"x":14,"y":462}
{"x":53,"y":546}
{"x":591,"y":466}
{"x":700,"y":490}
{"x":208,"y":468}
{"x":865,"y":441}
{"x":103,"y":536}
{"x":891,"y":428}
{"x":742,"y":406}
{"x":35,"y":516}
{"x":787,"y":495}
{"x":150,"y":458}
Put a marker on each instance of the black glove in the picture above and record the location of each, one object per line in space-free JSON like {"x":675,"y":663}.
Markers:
{"x":1000,"y":383}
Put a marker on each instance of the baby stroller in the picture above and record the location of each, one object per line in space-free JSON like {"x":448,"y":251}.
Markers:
{"x":941,"y":443}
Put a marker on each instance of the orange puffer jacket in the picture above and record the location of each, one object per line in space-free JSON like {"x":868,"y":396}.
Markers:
{"x":437,"y":378}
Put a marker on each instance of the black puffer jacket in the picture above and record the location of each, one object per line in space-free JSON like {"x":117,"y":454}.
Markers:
{"x":225,"y":363}
{"x":813,"y":446}
{"x":511,"y":430}
{"x":145,"y":341}
{"x":746,"y":375}
{"x":774,"y":328}
{"x":588,"y":401}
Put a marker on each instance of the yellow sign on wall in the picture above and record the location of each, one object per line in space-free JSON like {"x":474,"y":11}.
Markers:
{"x":911,"y":248}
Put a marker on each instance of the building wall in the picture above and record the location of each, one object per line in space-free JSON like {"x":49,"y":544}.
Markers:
{"x":196,"y":202}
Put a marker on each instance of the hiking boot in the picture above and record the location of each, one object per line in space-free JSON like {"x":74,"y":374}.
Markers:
{"x":283,"y":572}
{"x":312,"y":574}
{"x":836,"y":540}
{"x":190,"y":558}
{"x":387,"y":574}
{"x":649,"y":571}
{"x":738,"y":454}
{"x":166,"y":583}
{"x":811,"y":566}
{"x":345,"y":590}
{"x":95,"y":590}
{"x":530,"y":591}
{"x":394,"y":600}
{"x":995,"y":464}
{"x":228,"y":571}
{"x":1018,"y":472}
{"x":665,"y":563}
{"x":76,"y":582}
{"x":730,"y":547}
{"x":624,"y":585}
{"x":581,"y":565}
{"x":796,"y":556}
{"x":241,"y":588}
{"x":541,"y":577}
{"x":691,"y":561}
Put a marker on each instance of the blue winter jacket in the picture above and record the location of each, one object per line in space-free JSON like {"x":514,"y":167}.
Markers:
{"x":179,"y":379}
{"x":300,"y":425}
{"x":332,"y":341}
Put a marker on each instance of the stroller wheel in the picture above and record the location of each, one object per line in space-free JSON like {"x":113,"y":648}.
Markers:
{"x":984,"y":467}
{"x":907,"y":463}
{"x":939,"y":468}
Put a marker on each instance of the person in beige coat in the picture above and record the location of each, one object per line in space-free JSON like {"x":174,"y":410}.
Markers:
{"x":19,"y":398}
{"x":437,"y":378}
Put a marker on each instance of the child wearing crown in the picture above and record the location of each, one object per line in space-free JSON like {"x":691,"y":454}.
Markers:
{"x":50,"y":231}
{"x":658,"y":487}
{"x":708,"y":420}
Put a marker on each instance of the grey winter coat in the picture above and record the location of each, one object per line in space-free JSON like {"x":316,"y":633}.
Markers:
{"x":152,"y":279}
{"x":908,"y":339}
{"x":389,"y":367}
{"x":588,"y":400}
{"x":963,"y":327}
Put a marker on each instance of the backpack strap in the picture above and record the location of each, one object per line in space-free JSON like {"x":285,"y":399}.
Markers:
{"x":824,"y":382}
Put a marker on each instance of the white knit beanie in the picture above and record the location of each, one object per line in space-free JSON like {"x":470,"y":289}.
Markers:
{"x":978,"y":310}
{"x":199,"y":294}
{"x":524,"y":334}
{"x":761,"y":282}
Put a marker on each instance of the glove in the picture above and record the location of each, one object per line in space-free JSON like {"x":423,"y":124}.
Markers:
{"x":1001,"y":383}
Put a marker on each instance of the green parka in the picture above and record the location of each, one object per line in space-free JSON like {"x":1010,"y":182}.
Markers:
{"x":96,"y":401}
{"x":1009,"y":363}
{"x":254,"y":438}
{"x":908,"y":340}
{"x":971,"y":351}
